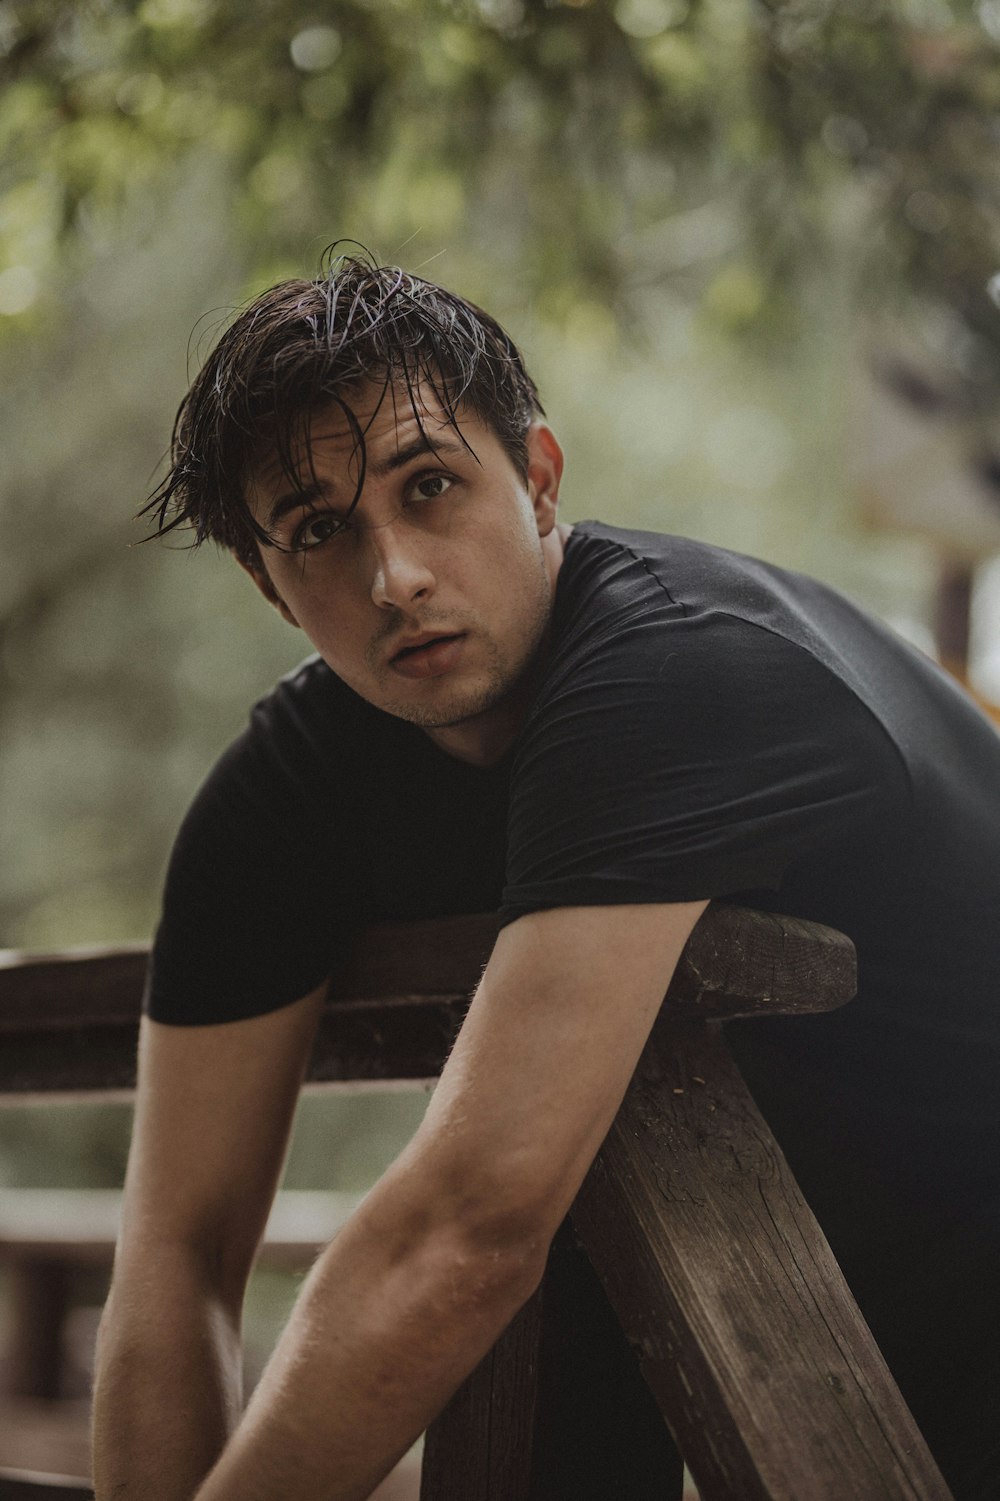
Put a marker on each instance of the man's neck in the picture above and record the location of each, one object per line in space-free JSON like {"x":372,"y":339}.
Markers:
{"x":485,"y":740}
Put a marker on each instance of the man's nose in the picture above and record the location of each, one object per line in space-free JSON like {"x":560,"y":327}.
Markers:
{"x":400,"y":574}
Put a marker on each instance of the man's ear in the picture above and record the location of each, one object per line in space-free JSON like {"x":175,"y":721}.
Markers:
{"x":545,"y":467}
{"x":263,"y":582}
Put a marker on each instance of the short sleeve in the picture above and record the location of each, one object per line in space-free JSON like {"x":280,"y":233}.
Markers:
{"x":679,"y":759}
{"x":256,"y":906}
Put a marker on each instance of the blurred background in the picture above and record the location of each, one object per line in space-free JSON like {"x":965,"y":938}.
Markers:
{"x":751,"y":252}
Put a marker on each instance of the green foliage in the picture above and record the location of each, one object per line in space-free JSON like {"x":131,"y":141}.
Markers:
{"x":573,"y":137}
{"x":63,"y":1145}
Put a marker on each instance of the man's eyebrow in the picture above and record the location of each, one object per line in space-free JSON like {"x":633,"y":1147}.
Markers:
{"x":402,"y":456}
{"x":304,"y":495}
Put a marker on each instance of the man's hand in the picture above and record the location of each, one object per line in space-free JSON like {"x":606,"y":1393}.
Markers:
{"x":452,"y":1241}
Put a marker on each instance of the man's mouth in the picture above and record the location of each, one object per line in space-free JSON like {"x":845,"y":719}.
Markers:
{"x":428,"y":656}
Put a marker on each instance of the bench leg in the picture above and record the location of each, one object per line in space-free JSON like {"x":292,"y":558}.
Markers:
{"x":39,"y":1301}
{"x":558,"y":1410}
{"x":480,"y":1448}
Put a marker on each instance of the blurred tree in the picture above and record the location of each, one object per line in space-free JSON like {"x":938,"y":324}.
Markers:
{"x":716,"y":145}
{"x":680,"y":187}
{"x":598,"y":165}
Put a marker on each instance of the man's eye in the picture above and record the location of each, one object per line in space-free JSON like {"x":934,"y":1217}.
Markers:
{"x":316,"y":529}
{"x":430,"y":486}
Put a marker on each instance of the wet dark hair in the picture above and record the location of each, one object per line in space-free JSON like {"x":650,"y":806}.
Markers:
{"x":304,"y":344}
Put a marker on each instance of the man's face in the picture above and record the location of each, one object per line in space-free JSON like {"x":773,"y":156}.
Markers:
{"x":444,"y":543}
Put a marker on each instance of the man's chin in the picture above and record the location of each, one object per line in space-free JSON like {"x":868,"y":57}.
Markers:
{"x":450,"y":712}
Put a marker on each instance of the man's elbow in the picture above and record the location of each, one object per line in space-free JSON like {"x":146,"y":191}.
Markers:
{"x":510,"y":1244}
{"x":477,"y":1274}
{"x":493,"y":1233}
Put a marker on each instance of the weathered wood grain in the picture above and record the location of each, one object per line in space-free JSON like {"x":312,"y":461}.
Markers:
{"x":747,"y":1333}
{"x":563,"y":1384}
{"x":736,"y":962}
{"x":743,"y":963}
{"x":481,"y":1447}
{"x":68,"y":1021}
{"x":100,"y":987}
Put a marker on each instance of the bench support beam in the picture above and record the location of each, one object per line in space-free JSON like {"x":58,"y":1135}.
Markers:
{"x":720,"y":1275}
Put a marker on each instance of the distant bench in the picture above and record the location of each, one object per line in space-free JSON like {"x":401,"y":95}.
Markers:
{"x":49,"y":1235}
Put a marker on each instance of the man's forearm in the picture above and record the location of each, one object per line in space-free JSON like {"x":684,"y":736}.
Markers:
{"x":168,"y":1385}
{"x":385,"y":1329}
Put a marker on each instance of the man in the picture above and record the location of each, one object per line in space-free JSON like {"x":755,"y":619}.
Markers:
{"x":595,"y":732}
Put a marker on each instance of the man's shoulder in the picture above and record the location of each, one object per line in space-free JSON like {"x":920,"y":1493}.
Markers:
{"x":723,"y":636}
{"x":717,"y":638}
{"x":308,"y":687}
{"x":309,"y":705}
{"x":619,"y":582}
{"x":711,"y":596}
{"x":694,"y":572}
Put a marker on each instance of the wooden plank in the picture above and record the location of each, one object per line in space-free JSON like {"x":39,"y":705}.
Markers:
{"x":79,"y":1226}
{"x":736,"y":962}
{"x":557,"y":1411}
{"x":29,"y":1485}
{"x":67,"y":1061}
{"x":39,"y":1300}
{"x":395,"y":1040}
{"x":599,"y":1431}
{"x":720,"y":1276}
{"x":98,"y":986}
{"x":47,"y":1236}
{"x":371,"y":1044}
{"x":69,"y":1022}
{"x":481,"y":1446}
{"x":392,"y":964}
{"x":50,"y":1438}
{"x":739,"y":962}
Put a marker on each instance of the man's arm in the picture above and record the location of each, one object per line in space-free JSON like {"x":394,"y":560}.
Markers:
{"x":213,"y":1111}
{"x":453,"y":1239}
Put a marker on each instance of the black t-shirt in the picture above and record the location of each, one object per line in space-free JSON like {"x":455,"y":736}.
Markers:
{"x":704,"y":726}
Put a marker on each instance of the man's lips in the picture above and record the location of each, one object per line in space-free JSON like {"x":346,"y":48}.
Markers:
{"x":427,"y":655}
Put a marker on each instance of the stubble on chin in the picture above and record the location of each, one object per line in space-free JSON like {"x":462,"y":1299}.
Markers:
{"x":461,"y":704}
{"x":502,"y":680}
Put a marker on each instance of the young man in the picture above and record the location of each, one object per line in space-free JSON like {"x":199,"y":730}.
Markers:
{"x":596,"y":732}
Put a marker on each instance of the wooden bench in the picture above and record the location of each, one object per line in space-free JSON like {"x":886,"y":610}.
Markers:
{"x":49,"y":1237}
{"x":745,"y":1332}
